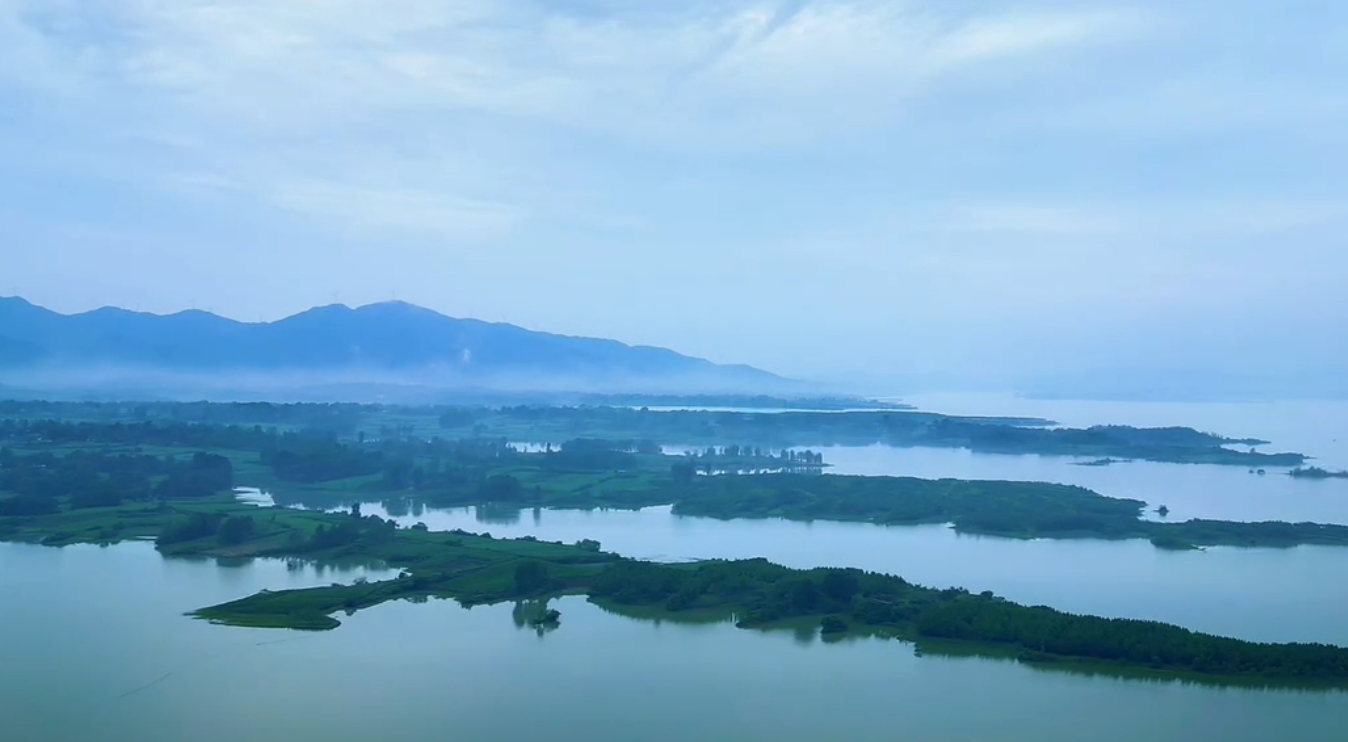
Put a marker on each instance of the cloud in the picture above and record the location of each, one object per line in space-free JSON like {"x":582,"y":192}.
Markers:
{"x":1000,"y":162}
{"x":377,"y":209}
{"x":672,"y":75}
{"x":286,"y":96}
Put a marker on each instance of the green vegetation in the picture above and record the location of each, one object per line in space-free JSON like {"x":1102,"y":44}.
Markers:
{"x":1011,"y":509}
{"x":896,"y":428}
{"x":41,"y":482}
{"x":762,"y":594}
{"x":50,"y":467}
{"x":1315,"y":472}
{"x":1100,"y":462}
{"x":198,"y":517}
{"x":381,"y":423}
{"x":1171,"y":542}
{"x":479,"y":569}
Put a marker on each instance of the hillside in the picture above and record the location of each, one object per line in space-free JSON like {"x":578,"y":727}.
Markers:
{"x":388,"y":343}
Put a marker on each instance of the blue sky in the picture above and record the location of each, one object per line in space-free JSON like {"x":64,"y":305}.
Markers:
{"x":977,"y":189}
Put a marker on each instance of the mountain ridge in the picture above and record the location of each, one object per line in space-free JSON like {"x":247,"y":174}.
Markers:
{"x":383,"y":340}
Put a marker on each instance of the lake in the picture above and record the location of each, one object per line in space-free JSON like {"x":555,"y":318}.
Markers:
{"x":1265,"y":594}
{"x":95,"y":648}
{"x":95,"y":645}
{"x":1316,"y":428}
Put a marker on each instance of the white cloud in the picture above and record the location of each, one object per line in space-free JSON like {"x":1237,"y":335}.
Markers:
{"x":995,"y":158}
{"x":270,"y":93}
{"x":298,"y":62}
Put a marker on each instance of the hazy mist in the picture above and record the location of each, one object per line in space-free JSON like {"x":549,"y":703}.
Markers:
{"x":420,"y":386}
{"x":1053,"y":195}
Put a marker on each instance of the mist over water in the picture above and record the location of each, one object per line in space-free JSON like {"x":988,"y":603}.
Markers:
{"x":977,"y":208}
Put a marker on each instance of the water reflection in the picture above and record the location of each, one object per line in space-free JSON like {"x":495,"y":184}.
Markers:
{"x":499,"y":514}
{"x":1229,"y":591}
{"x":398,"y":507}
{"x":536,"y":616}
{"x":411,"y":672}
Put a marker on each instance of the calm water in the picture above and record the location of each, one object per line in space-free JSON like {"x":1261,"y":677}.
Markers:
{"x":95,"y":649}
{"x":1189,"y":490}
{"x":1318,"y":429}
{"x":1264,"y":594}
{"x":94,"y":644}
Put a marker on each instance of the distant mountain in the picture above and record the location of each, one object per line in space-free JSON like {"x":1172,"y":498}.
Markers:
{"x":388,"y":343}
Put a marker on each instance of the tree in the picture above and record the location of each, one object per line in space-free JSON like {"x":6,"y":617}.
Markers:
{"x":804,"y":595}
{"x":531,"y":577}
{"x":236,"y":529}
{"x":502,"y":488}
{"x":840,"y":585}
{"x":683,"y":472}
{"x":190,"y":528}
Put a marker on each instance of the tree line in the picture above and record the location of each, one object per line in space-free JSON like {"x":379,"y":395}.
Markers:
{"x":40,"y":483}
{"x":761,"y":593}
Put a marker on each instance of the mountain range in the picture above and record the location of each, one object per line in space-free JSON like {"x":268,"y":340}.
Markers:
{"x":391,"y":342}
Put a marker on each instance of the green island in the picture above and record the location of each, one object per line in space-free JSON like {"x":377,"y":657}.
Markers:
{"x":1101,"y":462}
{"x":48,"y":467}
{"x":478,"y":569}
{"x":769,"y":430}
{"x":68,"y":482}
{"x":1315,"y":472}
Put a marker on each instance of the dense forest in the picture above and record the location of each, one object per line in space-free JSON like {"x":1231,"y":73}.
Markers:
{"x":44,"y":463}
{"x":779,"y":430}
{"x":996,"y":508}
{"x":762,"y":593}
{"x":40,"y":483}
{"x":70,"y":482}
{"x":757,"y":593}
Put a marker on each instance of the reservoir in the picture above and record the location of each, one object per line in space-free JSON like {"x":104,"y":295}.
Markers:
{"x":94,"y":643}
{"x":94,"y":646}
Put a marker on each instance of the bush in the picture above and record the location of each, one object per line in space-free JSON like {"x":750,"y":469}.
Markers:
{"x":236,"y":529}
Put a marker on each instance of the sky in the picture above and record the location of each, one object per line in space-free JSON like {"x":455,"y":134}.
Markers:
{"x":983,"y":192}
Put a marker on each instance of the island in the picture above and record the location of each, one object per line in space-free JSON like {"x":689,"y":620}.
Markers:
{"x":1101,"y":462}
{"x":1315,"y":472}
{"x":755,"y":594}
{"x":87,"y":481}
{"x":55,"y":467}
{"x":695,"y":428}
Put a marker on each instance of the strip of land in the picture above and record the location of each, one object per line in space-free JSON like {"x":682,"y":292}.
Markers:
{"x":541,"y":424}
{"x":479,"y":569}
{"x":50,"y":467}
{"x":64,"y":483}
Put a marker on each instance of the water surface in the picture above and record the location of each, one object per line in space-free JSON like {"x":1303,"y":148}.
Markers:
{"x":97,"y":650}
{"x":95,"y":646}
{"x":1262,"y":594}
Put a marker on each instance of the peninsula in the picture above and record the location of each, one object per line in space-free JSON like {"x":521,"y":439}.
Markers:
{"x":476,"y":569}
